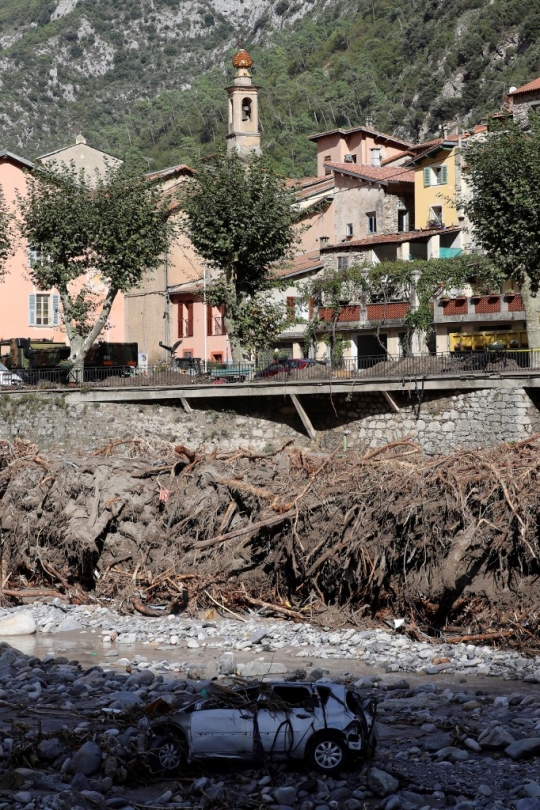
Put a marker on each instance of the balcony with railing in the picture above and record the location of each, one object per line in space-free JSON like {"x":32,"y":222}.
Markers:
{"x":365,"y":316}
{"x":467,"y":309}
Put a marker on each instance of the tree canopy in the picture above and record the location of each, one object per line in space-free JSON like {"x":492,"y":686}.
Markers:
{"x":93,"y":237}
{"x":240,"y":220}
{"x":504,"y":207}
{"x":419,"y":281}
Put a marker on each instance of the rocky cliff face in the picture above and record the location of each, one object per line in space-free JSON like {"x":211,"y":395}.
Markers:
{"x":58,"y":58}
{"x":147,"y":76}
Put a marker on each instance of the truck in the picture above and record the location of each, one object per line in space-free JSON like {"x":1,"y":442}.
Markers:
{"x":38,"y":359}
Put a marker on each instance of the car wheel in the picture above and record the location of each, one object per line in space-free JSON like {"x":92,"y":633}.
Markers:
{"x":327,"y":754}
{"x":167,"y":755}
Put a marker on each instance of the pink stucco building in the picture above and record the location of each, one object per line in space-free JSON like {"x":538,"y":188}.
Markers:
{"x":25,"y":310}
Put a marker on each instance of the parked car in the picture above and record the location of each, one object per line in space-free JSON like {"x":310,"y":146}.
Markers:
{"x":8,"y":377}
{"x":326,"y":725}
{"x":287,"y":366}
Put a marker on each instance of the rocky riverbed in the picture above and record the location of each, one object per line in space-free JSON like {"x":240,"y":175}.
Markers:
{"x":68,"y":727}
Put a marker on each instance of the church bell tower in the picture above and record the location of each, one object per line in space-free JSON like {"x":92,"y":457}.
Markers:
{"x":244,"y":135}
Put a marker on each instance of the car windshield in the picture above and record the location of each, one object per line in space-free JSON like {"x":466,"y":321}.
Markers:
{"x":3,"y":367}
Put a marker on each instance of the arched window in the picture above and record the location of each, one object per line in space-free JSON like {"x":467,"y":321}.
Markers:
{"x":246,"y":109}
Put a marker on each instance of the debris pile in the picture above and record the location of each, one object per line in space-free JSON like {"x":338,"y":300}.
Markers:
{"x":448,"y":542}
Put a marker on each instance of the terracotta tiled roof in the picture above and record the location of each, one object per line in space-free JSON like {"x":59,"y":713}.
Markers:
{"x":367,"y":130}
{"x":171,"y":171}
{"x":378,"y":174}
{"x":526,"y":88}
{"x":326,"y":183}
{"x":389,"y":238}
{"x":392,"y":159}
{"x":304,"y":263}
{"x":300,"y":182}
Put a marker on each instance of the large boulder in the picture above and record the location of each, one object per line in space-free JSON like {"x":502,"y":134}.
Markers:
{"x":381,"y":782}
{"x":17,"y":624}
{"x":87,"y":760}
{"x":523,"y":749}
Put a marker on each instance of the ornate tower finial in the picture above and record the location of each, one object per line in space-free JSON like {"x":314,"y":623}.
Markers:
{"x":244,"y":133}
{"x":242,"y":59}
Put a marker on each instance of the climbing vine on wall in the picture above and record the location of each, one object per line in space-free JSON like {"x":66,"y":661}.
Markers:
{"x":390,"y":281}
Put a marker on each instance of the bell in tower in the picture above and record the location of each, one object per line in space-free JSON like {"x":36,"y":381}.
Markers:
{"x":244,"y":135}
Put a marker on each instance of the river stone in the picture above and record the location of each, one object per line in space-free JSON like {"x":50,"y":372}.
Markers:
{"x":452,"y":754}
{"x":522,"y":749}
{"x":497,"y":738}
{"x":256,"y":669}
{"x":124,"y":699}
{"x":227,"y":664}
{"x":50,"y":749}
{"x":19,"y":624}
{"x":285,"y":795}
{"x":532,"y":789}
{"x":528,"y":804}
{"x":381,"y":783}
{"x":144,"y":677}
{"x":69,"y":624}
{"x":87,"y":760}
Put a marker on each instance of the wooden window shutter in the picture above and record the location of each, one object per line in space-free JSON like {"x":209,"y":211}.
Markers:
{"x":189,"y":330}
{"x":32,"y":310}
{"x":444,"y":175}
{"x":291,"y":308}
{"x":310,"y":309}
{"x":209,"y":330}
{"x":427,"y":176}
{"x":180,"y":320}
{"x":55,"y":314}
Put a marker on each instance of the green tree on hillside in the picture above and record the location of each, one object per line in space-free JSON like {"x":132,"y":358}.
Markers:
{"x":504,"y":208}
{"x":240,"y":219}
{"x":108,"y":231}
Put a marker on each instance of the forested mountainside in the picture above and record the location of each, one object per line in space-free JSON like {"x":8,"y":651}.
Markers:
{"x":147,"y":76}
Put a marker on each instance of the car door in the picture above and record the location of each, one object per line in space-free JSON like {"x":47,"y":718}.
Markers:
{"x":286,"y":719}
{"x":225,"y":732}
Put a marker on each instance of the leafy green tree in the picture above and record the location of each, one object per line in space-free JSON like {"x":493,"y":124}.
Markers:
{"x":504,"y":208}
{"x":240,"y":219}
{"x":110,"y":229}
{"x":5,"y":233}
{"x":420,"y":282}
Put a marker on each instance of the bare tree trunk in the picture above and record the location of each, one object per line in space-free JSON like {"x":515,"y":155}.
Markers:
{"x":80,"y":344}
{"x":238,"y":353}
{"x":530,"y":295}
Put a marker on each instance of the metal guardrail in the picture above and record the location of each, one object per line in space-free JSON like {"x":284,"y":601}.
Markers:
{"x":381,"y":367}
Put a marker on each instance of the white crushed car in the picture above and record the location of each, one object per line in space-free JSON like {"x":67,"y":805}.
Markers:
{"x":8,"y":377}
{"x":325,"y":724}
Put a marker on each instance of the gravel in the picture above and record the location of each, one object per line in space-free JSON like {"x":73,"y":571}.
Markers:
{"x":459,"y":745}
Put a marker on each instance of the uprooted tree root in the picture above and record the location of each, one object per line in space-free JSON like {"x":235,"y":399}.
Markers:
{"x":451,"y":543}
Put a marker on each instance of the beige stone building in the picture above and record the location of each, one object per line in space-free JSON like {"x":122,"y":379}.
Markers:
{"x":83,"y":157}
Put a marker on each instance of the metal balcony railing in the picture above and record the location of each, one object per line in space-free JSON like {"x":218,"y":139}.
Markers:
{"x":373,"y":368}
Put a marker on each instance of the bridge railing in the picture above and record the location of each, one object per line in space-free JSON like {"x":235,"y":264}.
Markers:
{"x":376,"y":367}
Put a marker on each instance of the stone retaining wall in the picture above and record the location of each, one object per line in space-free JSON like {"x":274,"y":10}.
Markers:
{"x":438,"y":422}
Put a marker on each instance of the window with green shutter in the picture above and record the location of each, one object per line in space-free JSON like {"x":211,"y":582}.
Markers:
{"x":443,"y":176}
{"x":427,"y":176}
